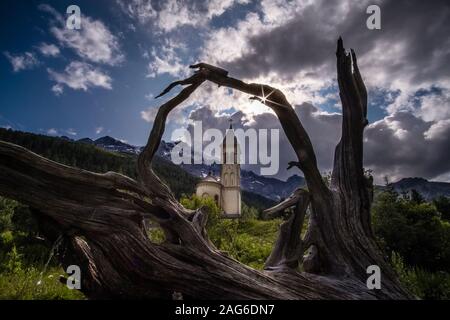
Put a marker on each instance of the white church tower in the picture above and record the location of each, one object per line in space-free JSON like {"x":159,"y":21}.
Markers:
{"x":230,"y":175}
{"x":226,"y":191}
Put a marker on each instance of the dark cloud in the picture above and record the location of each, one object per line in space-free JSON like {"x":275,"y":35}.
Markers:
{"x":401,"y":145}
{"x":410,"y":54}
{"x":307,"y":42}
{"x":208,"y":119}
{"x":322,"y":128}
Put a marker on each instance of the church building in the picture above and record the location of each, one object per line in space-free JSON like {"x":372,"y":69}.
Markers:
{"x":226,"y":190}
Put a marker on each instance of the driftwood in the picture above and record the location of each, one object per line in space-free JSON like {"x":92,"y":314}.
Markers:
{"x":101,"y":216}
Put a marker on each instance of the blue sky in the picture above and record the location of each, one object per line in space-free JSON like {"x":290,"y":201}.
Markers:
{"x":27,"y":102}
{"x":101,"y":80}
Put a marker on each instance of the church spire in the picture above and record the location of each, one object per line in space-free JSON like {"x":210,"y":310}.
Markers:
{"x":230,"y":177}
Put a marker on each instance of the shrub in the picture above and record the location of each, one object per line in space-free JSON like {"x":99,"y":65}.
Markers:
{"x":423,"y":284}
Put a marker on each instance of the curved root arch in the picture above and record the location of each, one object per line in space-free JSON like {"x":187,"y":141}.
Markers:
{"x":100,"y":216}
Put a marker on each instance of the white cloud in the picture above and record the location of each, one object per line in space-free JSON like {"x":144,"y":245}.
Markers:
{"x":23,"y":61}
{"x":141,"y":10}
{"x":149,"y":115}
{"x":58,"y":89}
{"x":435,"y":107}
{"x":167,"y":60}
{"x":49,"y":50}
{"x":172,"y":14}
{"x":79,"y":76}
{"x":161,"y":65}
{"x":52,"y":132}
{"x":175,"y":14}
{"x":71,"y":132}
{"x":230,"y":43}
{"x":438,"y":130}
{"x":225,"y":46}
{"x":93,"y":42}
{"x":99,"y":130}
{"x":176,"y":116}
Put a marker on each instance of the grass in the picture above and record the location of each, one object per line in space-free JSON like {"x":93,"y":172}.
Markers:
{"x":29,"y":284}
{"x":249,"y":241}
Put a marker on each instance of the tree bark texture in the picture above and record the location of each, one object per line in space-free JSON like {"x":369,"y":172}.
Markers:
{"x":100,"y":217}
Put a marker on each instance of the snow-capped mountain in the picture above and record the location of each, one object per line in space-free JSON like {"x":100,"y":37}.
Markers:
{"x":270,"y":188}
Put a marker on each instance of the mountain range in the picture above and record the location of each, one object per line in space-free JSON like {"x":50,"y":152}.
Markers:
{"x":111,"y":144}
{"x":427,"y":189}
{"x":271,"y":188}
{"x":109,"y":154}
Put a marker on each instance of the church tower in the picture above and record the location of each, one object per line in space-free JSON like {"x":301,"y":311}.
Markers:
{"x":230,"y":175}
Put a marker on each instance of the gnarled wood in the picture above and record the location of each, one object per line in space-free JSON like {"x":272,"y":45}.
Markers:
{"x":101,"y":216}
{"x":289,"y":247}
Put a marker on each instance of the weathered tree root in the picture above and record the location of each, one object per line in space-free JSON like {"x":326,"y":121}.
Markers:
{"x":101,"y":216}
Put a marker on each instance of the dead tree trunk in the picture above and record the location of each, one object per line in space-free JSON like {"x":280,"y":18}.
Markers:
{"x":100,"y":216}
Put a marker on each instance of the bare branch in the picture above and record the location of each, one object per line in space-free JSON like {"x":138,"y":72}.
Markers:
{"x":288,"y":249}
{"x":146,"y":175}
{"x":290,"y":201}
{"x":349,"y":152}
{"x":75,"y":196}
{"x":276,"y":100}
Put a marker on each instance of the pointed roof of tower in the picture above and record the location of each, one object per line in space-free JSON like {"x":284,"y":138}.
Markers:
{"x":230,"y":132}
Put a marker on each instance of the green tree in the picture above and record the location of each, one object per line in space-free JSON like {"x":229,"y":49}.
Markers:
{"x":7,"y":207}
{"x":413,"y":229}
{"x":442,"y":205}
{"x":416,"y":197}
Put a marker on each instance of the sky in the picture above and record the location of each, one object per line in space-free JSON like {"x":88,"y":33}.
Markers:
{"x":102,"y":79}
